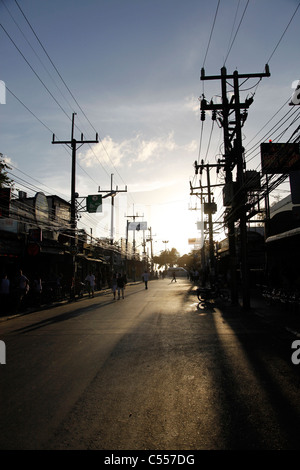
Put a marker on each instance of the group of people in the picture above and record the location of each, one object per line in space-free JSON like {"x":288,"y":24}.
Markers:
{"x":19,"y":289}
{"x":90,"y":283}
{"x":13,"y":294}
{"x":118,"y":284}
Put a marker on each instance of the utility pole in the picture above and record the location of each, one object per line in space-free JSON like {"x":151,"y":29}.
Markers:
{"x":201,"y":229}
{"x":150,"y":239}
{"x":234,"y":157}
{"x":112,"y":193}
{"x":210,"y":226}
{"x":209,"y":208}
{"x":132,"y":217}
{"x":73,"y":145}
{"x":165,"y":243}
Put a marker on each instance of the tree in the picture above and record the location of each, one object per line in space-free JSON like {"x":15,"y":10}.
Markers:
{"x":166,"y":258}
{"x":4,"y":179}
{"x":186,"y":261}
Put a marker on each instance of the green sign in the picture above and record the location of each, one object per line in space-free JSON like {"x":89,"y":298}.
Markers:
{"x":94,"y":203}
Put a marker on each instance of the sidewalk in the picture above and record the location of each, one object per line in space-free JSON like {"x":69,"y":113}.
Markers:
{"x":282,"y":316}
{"x":56,"y":303}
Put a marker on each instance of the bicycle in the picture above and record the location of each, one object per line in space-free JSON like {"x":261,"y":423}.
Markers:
{"x":206,"y":294}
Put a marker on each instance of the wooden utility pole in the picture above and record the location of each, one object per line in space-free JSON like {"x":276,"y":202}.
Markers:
{"x":234,"y":157}
{"x":73,"y":145}
{"x":209,"y":208}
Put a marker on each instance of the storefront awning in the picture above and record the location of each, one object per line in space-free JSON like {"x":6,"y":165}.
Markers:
{"x":95,"y":260}
{"x":279,"y":236}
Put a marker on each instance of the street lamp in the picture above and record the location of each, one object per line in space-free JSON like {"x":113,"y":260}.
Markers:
{"x":165,"y":242}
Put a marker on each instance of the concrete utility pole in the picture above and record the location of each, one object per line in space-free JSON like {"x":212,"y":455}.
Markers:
{"x":73,"y":145}
{"x":150,"y":239}
{"x":132,"y":217}
{"x":112,"y":193}
{"x":234,"y":157}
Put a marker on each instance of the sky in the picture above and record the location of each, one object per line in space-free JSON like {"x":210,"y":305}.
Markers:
{"x":130,"y":70}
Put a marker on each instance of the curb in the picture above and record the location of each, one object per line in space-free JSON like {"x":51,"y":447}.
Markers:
{"x":58,"y":303}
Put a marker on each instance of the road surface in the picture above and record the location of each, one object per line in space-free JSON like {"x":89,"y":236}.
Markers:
{"x":154,"y":371}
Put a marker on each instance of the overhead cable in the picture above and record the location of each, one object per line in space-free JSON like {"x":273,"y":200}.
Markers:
{"x":283,"y":33}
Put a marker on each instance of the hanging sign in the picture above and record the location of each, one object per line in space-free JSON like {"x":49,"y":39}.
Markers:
{"x":137,"y":226}
{"x":94,"y":203}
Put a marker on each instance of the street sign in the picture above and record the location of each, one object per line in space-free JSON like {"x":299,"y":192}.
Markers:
{"x":279,"y":158}
{"x":137,"y":226}
{"x":94,"y":203}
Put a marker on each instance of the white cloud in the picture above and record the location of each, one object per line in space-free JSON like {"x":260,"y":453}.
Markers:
{"x":7,"y":160}
{"x":129,"y":151}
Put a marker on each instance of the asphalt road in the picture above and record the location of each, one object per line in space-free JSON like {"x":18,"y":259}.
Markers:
{"x":151,"y":372}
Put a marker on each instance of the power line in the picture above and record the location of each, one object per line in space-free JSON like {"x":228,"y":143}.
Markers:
{"x":32,"y":69}
{"x":211,"y":32}
{"x":236,"y":32}
{"x":283,"y":33}
{"x":67,"y":87}
{"x":63,"y":81}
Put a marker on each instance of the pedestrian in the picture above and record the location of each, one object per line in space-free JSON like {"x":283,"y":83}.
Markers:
{"x":22,"y":288}
{"x":114,"y":285}
{"x":120,"y":285}
{"x":174,"y":277}
{"x":146,"y":279}
{"x":90,"y":279}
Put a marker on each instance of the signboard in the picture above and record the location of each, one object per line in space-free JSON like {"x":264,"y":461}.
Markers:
{"x":9,"y":225}
{"x":279,"y":158}
{"x":194,"y":241}
{"x":137,"y":226}
{"x":94,"y":203}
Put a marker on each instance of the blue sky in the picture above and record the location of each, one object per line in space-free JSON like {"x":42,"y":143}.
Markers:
{"x":133,"y":67}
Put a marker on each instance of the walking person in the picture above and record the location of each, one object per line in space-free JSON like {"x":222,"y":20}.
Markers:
{"x":174,"y":277}
{"x":22,"y":289}
{"x":90,"y":280}
{"x":146,"y":279}
{"x":120,"y":285}
{"x":114,"y":285}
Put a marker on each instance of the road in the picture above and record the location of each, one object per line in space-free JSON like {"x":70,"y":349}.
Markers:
{"x":151,"y":372}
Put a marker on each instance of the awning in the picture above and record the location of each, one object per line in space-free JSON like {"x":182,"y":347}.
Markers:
{"x":51,"y":250}
{"x":289,"y":233}
{"x":95,"y":260}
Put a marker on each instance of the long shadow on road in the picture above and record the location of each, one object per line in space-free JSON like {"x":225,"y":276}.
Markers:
{"x":62,"y":317}
{"x":259,"y":392}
